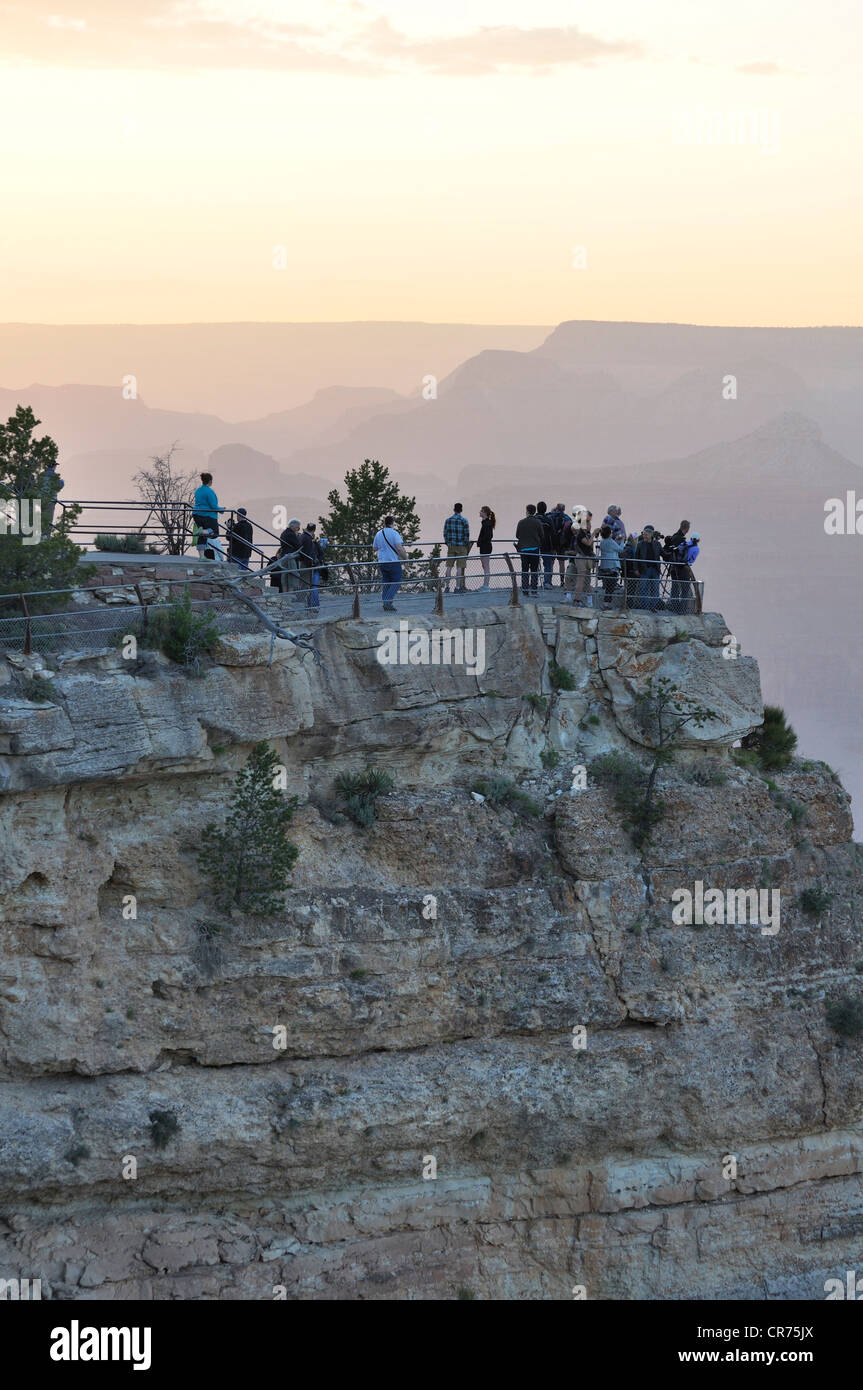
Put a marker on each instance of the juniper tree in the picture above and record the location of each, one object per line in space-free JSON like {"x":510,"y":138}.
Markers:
{"x":370,"y":495}
{"x":28,"y":477}
{"x":248,"y":860}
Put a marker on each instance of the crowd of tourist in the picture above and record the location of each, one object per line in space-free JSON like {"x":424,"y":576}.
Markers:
{"x":593,"y":565}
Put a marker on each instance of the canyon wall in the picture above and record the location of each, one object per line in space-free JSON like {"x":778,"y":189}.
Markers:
{"x":474,"y":1056}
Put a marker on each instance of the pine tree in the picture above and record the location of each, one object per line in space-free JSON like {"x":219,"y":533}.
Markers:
{"x":28,"y":476}
{"x":371,"y":494}
{"x":248,"y":860}
{"x":774,"y":741}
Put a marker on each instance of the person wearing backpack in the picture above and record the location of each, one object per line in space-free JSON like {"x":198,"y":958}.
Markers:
{"x":672,"y":552}
{"x":310,"y":558}
{"x":648,"y":557}
{"x":561,"y":525}
{"x":529,"y":536}
{"x":390,"y":551}
{"x":548,"y":545}
{"x":610,"y":552}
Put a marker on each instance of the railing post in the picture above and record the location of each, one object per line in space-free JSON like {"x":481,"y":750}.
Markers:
{"x":140,"y":598}
{"x":438,"y":601}
{"x":27,"y":630}
{"x":356,"y":611}
{"x":513,"y":598}
{"x":698,"y":597}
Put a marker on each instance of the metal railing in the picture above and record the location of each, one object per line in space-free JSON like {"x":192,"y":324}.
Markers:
{"x":88,"y":617}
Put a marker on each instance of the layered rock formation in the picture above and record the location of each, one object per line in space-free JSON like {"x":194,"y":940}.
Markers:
{"x":474,"y":1055}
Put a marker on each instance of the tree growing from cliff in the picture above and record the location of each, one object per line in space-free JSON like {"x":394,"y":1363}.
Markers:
{"x":773,"y":741}
{"x":370,"y":495}
{"x":248,"y":860}
{"x":29,"y":488}
{"x":663,"y":713}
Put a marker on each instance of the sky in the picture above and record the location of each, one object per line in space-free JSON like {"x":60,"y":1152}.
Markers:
{"x":486,"y":161}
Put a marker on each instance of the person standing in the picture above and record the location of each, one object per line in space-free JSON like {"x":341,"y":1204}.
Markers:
{"x":487,"y":523}
{"x":584,"y":559}
{"x":390,"y":551}
{"x":648,"y":556}
{"x":206,"y":508}
{"x":548,"y":547}
{"x":630,"y":570}
{"x":456,"y":534}
{"x":613,"y":519}
{"x":310,"y":559}
{"x":561,"y":525}
{"x":672,"y":551}
{"x":610,"y":552}
{"x":239,"y":540}
{"x":286,"y":575}
{"x":529,"y":535}
{"x":689,"y":552}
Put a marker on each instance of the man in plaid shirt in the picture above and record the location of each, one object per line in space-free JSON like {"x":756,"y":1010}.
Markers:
{"x":456,"y":534}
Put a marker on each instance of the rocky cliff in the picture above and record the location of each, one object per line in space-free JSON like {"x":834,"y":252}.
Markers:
{"x":475,"y":1056}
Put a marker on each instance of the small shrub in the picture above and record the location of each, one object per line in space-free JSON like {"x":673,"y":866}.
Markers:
{"x":163,"y":1127}
{"x":359,"y":792}
{"x":815,"y":901}
{"x":681,"y":635}
{"x":845,"y":1014}
{"x":76,"y":1153}
{"x":560,"y":678}
{"x":537,"y":701}
{"x":500,"y":791}
{"x":180,"y":633}
{"x":622,"y":773}
{"x":39,"y":690}
{"x":359,"y":974}
{"x":549,"y":757}
{"x":131,"y":544}
{"x":708,"y":773}
{"x":774,"y":741}
{"x":745,"y":757}
{"x":466,"y":1293}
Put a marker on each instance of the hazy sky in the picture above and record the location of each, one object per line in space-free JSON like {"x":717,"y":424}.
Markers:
{"x":437,"y":161}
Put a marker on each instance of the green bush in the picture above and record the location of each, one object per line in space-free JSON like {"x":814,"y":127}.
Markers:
{"x":549,"y":757}
{"x":359,"y":792}
{"x":537,"y":701}
{"x":163,"y":1127}
{"x":131,"y":544}
{"x":708,"y":773}
{"x":560,"y":678}
{"x":500,"y":791}
{"x":180,"y":633}
{"x":620,"y":772}
{"x":815,"y":900}
{"x":38,"y":689}
{"x":774,"y":741}
{"x":845,"y":1014}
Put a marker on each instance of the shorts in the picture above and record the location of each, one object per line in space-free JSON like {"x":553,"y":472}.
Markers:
{"x":459,"y":553}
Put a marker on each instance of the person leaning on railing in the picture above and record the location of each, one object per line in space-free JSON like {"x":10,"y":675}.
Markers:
{"x":290,"y":542}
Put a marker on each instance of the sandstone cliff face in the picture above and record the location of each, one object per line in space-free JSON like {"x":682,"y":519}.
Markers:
{"x":421,"y":1028}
